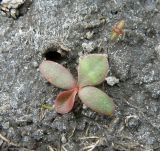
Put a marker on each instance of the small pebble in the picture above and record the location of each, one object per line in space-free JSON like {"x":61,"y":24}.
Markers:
{"x":84,"y":106}
{"x":112,"y":80}
{"x":132,"y":122}
{"x":63,"y":139}
{"x":10,"y":7}
{"x":94,"y":23}
{"x":157,"y":48}
{"x":89,"y":47}
{"x":25,"y":67}
{"x":11,"y":131}
{"x":12,"y":3}
{"x":5,"y":125}
{"x":35,"y":64}
{"x":89,"y":35}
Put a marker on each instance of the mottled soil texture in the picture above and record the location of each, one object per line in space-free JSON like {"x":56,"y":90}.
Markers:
{"x":63,"y":30}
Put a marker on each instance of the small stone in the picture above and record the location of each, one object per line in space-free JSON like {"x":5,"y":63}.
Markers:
{"x":94,"y":23}
{"x":157,"y":48}
{"x":5,"y":125}
{"x":132,"y":121}
{"x":14,"y":13}
{"x":63,"y":139}
{"x":89,"y":47}
{"x":25,"y":67}
{"x":11,"y":131}
{"x":10,"y":7}
{"x":89,"y":35}
{"x":84,"y":106}
{"x":35,"y":64}
{"x":12,"y":3}
{"x":38,"y":134}
{"x":112,"y":80}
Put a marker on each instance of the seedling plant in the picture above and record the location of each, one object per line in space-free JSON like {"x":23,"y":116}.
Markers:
{"x":92,"y":70}
{"x":118,"y":30}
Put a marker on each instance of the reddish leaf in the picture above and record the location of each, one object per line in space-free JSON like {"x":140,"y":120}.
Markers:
{"x":57,"y":74}
{"x":65,"y":101}
{"x":92,"y":69}
{"x":118,"y":30}
{"x":96,"y":100}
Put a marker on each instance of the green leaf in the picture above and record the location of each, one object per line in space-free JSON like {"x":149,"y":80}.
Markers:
{"x":65,"y":101}
{"x":47,"y":106}
{"x":92,"y":69}
{"x":57,"y":75}
{"x":97,"y":100}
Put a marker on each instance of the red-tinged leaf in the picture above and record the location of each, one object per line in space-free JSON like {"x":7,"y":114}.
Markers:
{"x":118,"y":30}
{"x":97,"y":100}
{"x":65,"y":101}
{"x":92,"y":69}
{"x":57,"y":74}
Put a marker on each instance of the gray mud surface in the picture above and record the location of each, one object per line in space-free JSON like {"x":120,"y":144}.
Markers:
{"x":63,"y":30}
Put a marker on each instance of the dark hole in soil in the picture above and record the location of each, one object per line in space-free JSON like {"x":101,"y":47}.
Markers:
{"x":24,"y":7}
{"x":114,"y":12}
{"x":53,"y":56}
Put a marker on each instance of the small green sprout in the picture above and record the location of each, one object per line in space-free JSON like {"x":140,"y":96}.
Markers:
{"x":47,"y":106}
{"x":92,"y":71}
{"x":118,"y":30}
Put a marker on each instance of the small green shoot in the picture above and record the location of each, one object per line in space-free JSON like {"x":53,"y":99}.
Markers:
{"x":47,"y":106}
{"x":117,"y":30}
{"x":92,"y":70}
